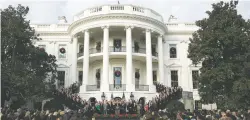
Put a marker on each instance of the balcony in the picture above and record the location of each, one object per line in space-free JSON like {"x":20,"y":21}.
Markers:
{"x":95,"y":50}
{"x":119,"y":49}
{"x":117,"y":87}
{"x":93,"y":87}
{"x":79,"y":54}
{"x":141,"y":88}
{"x":121,"y":9}
{"x":139,"y":50}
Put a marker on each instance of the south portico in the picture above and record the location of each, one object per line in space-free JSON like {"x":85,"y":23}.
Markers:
{"x":126,"y":52}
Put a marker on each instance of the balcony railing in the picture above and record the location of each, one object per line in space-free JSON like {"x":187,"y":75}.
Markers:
{"x":93,"y":88}
{"x":94,"y":50}
{"x":155,"y":54}
{"x":117,"y":49}
{"x":141,"y":88}
{"x":79,"y":54}
{"x":117,"y":87}
{"x":139,"y":50}
{"x":120,"y":49}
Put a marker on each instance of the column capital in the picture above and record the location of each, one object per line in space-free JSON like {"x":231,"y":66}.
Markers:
{"x":160,"y":35}
{"x":129,"y":26}
{"x":149,"y":30}
{"x":105,"y":27}
{"x":85,"y":30}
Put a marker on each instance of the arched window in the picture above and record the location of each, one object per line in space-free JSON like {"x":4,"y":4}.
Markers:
{"x":172,"y":51}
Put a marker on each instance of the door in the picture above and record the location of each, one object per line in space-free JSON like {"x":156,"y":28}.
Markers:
{"x":117,"y":45}
{"x":137,"y":78}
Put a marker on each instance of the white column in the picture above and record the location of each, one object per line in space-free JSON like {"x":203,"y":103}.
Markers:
{"x":149,"y":58}
{"x":85,"y":77}
{"x":129,"y":63}
{"x":74,"y":59}
{"x":160,"y":59}
{"x":105,"y":80}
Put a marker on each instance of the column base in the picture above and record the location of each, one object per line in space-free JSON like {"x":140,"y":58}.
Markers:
{"x":130,"y":87}
{"x":152,"y":88}
{"x":83,"y":88}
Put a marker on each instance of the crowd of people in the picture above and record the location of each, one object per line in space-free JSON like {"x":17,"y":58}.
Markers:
{"x":67,"y":105}
{"x":213,"y":115}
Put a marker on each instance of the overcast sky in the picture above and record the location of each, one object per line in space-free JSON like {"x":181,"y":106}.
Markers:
{"x":47,"y":11}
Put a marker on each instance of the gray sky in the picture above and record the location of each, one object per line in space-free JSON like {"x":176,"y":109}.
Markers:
{"x":47,"y":11}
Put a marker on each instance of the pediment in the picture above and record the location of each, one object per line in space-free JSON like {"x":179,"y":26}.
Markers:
{"x":192,"y":65}
{"x":173,"y":65}
{"x":62,"y":65}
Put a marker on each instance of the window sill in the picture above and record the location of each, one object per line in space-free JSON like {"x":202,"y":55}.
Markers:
{"x":173,"y":58}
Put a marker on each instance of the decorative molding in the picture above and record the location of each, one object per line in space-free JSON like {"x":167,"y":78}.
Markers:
{"x":105,"y":27}
{"x":61,"y":65}
{"x":184,"y":41}
{"x":117,"y":16}
{"x":128,"y":26}
{"x":173,"y":65}
{"x":85,"y":30}
{"x":148,"y":30}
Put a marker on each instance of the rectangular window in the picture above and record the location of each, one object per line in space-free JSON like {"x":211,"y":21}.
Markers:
{"x":154,"y":76}
{"x":60,"y":78}
{"x":174,"y":78}
{"x":137,"y":78}
{"x":117,"y":45}
{"x":195,"y":74}
{"x":62,"y":51}
{"x":153,"y":47}
{"x":172,"y":51}
{"x":81,"y":48}
{"x":197,"y":105}
{"x":80,"y":77}
{"x":98,"y":78}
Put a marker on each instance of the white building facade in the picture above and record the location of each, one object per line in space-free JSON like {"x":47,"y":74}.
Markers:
{"x":119,"y":49}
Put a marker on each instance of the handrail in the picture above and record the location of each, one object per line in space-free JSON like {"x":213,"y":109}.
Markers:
{"x":117,"y":87}
{"x":117,"y":49}
{"x":93,"y":88}
{"x":141,"y":87}
{"x":94,"y":50}
{"x":139,"y":50}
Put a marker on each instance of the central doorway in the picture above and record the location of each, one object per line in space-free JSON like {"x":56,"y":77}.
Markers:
{"x":117,"y":77}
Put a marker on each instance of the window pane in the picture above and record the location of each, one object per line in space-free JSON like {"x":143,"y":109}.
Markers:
{"x":137,"y":80}
{"x":172,"y":51}
{"x":195,"y":74}
{"x":61,"y":78}
{"x":80,"y":77}
{"x":98,"y":77}
{"x":81,"y":48}
{"x":154,"y":76}
{"x":174,"y":78}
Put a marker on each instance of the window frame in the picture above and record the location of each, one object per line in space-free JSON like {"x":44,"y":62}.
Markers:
{"x":176,"y":81}
{"x":59,"y":47}
{"x":170,"y":55}
{"x":196,"y":81}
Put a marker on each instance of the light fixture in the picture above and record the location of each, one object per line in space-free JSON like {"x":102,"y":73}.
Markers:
{"x":103,"y":96}
{"x":131,"y":96}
